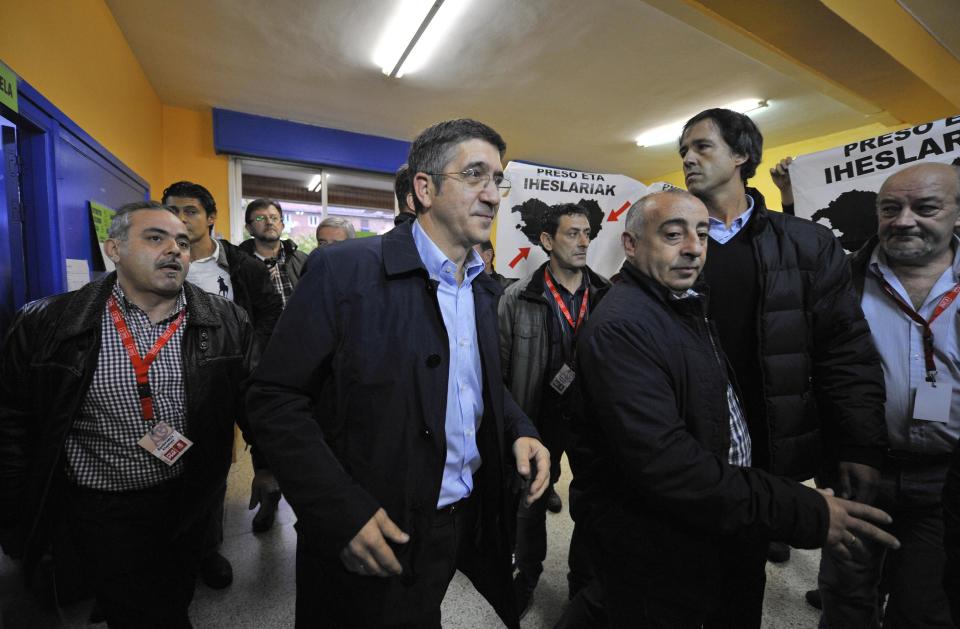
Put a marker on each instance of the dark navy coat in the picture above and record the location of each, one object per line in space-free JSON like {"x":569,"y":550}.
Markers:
{"x":348,"y":406}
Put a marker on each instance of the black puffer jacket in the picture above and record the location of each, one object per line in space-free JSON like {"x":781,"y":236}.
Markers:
{"x":46,"y":366}
{"x":822,"y":379}
{"x":651,"y":449}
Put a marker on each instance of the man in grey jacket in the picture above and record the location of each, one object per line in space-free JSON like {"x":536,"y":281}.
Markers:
{"x":539,"y":319}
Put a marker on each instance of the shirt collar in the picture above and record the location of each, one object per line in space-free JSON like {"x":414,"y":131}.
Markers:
{"x":126,"y":305}
{"x":438,"y":265}
{"x":213,"y":256}
{"x":738,"y":222}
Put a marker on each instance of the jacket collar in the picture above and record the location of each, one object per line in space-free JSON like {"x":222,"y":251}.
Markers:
{"x":248,"y":246}
{"x":400,"y":257}
{"x":535,"y":287}
{"x":760,"y":216}
{"x":85,"y":311}
{"x":695,"y":305}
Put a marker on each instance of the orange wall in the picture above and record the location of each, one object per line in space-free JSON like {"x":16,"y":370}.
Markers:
{"x":188,"y":154}
{"x":74,"y":53}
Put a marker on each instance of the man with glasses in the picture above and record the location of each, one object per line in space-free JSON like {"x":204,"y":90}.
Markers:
{"x":380,"y":406}
{"x":264,"y":220}
{"x":221,"y":268}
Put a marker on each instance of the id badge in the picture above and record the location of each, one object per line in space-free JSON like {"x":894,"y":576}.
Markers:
{"x":165,"y":443}
{"x":932,"y":402}
{"x":564,"y":378}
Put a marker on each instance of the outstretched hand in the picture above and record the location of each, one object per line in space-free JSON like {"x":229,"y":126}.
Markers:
{"x":852,"y":523}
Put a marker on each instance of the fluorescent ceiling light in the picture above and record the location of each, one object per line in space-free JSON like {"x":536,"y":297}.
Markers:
{"x":315,"y":183}
{"x":671,"y":132}
{"x":414,"y":33}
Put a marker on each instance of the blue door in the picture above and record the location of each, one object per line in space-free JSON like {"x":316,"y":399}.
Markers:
{"x":13,"y":277}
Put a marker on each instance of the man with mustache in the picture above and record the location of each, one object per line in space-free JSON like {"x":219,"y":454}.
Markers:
{"x":381,"y":408}
{"x":663,"y":455}
{"x":117,"y":408}
{"x":791,"y":324}
{"x":539,"y":320}
{"x":908,"y":277}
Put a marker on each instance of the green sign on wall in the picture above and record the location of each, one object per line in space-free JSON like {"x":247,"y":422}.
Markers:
{"x":8,"y":88}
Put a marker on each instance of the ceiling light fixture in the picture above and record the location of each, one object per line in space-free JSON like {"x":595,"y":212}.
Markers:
{"x":671,"y":132}
{"x":315,"y":183}
{"x":414,"y":33}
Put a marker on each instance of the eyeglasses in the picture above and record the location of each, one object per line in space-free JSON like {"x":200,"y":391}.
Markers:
{"x":477,"y":180}
{"x":266,"y":219}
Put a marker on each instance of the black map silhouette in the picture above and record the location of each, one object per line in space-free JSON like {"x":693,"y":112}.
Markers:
{"x":854,"y":215}
{"x":532,"y":210}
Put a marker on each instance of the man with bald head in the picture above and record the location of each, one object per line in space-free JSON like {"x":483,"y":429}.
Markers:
{"x":907,"y":276}
{"x":663,"y":455}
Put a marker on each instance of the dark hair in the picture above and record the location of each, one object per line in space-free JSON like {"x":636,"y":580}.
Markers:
{"x":261,"y":204}
{"x":739,"y":132}
{"x":191,"y":190}
{"x":120,"y":222}
{"x":550,"y":220}
{"x":434,"y":148}
{"x":486,"y":245}
{"x":402,"y":186}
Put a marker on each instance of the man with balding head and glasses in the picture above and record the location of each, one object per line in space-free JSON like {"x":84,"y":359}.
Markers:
{"x":117,"y":404}
{"x":663,"y":455}
{"x":380,"y":407}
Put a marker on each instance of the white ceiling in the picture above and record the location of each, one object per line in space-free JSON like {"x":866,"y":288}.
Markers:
{"x":565,"y":82}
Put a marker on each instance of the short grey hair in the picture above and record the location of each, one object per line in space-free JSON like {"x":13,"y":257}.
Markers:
{"x":340,"y":223}
{"x":120,"y":223}
{"x":638,"y":211}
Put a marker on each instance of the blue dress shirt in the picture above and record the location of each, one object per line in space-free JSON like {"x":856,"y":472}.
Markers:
{"x":721,"y":233}
{"x":465,"y":377}
{"x":900,"y":342}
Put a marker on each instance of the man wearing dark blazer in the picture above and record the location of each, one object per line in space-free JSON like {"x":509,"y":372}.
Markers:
{"x":399,"y":480}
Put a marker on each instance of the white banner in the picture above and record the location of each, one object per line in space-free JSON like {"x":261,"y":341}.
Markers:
{"x":606,"y":197}
{"x":838,"y":187}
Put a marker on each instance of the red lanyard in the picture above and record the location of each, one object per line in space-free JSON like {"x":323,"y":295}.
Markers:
{"x":141,"y":366}
{"x":563,"y":306}
{"x":942,"y":305}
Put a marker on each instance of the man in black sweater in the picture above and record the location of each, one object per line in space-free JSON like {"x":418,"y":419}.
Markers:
{"x":791,"y":325}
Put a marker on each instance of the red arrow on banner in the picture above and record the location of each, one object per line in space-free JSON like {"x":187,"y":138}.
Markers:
{"x":524,"y":252}
{"x":615,"y":214}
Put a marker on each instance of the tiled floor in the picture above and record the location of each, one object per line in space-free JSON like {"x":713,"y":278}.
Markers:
{"x":262,"y":594}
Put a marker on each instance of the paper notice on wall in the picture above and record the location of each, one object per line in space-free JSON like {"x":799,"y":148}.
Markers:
{"x":78,"y":274}
{"x":838,"y":187}
{"x":102,"y":216}
{"x":606,"y":197}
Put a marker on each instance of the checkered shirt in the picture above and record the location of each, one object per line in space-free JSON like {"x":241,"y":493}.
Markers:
{"x":741,"y":448}
{"x":101,"y":447}
{"x":278,"y":275}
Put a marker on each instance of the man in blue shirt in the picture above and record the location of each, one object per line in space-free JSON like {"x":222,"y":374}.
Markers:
{"x":399,"y":480}
{"x":909,"y":279}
